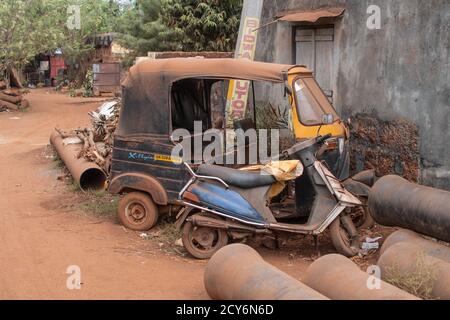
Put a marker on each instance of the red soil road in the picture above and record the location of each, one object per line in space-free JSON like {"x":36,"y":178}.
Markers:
{"x":39,"y":240}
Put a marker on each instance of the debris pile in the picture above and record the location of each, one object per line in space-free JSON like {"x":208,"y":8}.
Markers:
{"x":389,"y":147}
{"x":12,"y":99}
{"x":97,"y":140}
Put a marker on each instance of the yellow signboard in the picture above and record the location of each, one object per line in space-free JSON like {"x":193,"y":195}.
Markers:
{"x":238,"y":89}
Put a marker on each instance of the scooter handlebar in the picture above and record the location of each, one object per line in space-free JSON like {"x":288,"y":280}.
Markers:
{"x":322,"y":139}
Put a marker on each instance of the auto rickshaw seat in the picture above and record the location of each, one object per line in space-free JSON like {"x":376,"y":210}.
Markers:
{"x":235,"y":177}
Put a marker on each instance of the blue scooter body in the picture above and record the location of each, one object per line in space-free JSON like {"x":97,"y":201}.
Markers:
{"x":225,"y":200}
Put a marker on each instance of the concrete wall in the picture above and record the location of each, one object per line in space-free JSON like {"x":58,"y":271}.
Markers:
{"x":399,"y":71}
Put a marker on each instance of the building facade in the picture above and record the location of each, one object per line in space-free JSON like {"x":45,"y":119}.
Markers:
{"x":387,"y":58}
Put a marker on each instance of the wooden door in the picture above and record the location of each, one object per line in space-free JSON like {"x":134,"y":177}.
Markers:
{"x":314,"y":49}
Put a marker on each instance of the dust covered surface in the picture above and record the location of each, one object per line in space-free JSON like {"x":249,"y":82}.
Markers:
{"x":389,"y":147}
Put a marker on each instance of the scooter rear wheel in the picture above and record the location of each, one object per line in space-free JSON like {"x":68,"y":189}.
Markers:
{"x":344,"y":236}
{"x":203,"y":242}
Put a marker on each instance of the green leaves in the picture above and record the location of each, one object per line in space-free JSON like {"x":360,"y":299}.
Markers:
{"x":30,"y":27}
{"x":184,"y":25}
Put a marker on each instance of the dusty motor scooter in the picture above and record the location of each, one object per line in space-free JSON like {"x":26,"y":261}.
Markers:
{"x":224,"y":203}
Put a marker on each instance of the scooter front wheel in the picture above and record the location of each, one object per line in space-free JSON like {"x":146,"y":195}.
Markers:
{"x":344,"y":236}
{"x":203,"y":242}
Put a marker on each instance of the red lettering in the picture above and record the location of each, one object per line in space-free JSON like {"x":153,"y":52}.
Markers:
{"x":248,"y":47}
{"x":249,"y":38}
{"x":238,"y":104}
{"x":241,"y":85}
{"x":240,"y":94}
{"x":247,"y":55}
{"x":251,"y":23}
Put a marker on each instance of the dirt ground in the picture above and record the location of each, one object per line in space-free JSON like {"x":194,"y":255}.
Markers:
{"x":44,"y":229}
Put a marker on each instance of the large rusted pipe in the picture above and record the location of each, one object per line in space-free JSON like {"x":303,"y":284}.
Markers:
{"x":339,"y":278}
{"x":87,"y":174}
{"x":430,"y":247}
{"x":237,"y":272}
{"x":406,"y":260}
{"x":393,"y":201}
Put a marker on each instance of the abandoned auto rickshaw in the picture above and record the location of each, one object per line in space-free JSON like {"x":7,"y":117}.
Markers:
{"x":160,"y":96}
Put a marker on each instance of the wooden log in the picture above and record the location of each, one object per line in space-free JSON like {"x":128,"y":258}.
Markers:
{"x":8,"y":105}
{"x":13,"y":92}
{"x":12,"y":99}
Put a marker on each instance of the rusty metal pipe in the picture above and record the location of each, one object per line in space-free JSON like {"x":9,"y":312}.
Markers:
{"x":429,"y":247}
{"x":393,"y":201}
{"x":339,"y":278}
{"x":87,"y":174}
{"x":237,"y":272}
{"x":406,"y":258}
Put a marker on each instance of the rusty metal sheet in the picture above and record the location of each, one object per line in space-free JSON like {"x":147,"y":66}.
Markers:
{"x":311,"y":15}
{"x":106,"y":77}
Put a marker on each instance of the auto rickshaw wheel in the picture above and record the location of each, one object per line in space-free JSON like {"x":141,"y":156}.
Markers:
{"x":344,"y":236}
{"x":203,"y":242}
{"x":137,"y":211}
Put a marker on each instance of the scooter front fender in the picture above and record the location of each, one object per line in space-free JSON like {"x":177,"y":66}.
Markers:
{"x":182,"y":216}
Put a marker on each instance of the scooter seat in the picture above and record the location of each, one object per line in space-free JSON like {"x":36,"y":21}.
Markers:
{"x":238,"y":178}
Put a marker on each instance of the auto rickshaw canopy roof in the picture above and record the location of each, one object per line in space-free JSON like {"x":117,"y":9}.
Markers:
{"x":147,"y":89}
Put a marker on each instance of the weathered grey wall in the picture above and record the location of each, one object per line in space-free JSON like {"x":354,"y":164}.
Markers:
{"x":399,"y":71}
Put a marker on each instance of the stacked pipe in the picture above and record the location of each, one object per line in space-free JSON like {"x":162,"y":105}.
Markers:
{"x":407,"y":253}
{"x":339,"y":278}
{"x":238,"y":272}
{"x":393,"y":201}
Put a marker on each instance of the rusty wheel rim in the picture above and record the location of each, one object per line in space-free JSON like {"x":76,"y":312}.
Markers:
{"x":204,"y":239}
{"x":135,"y":213}
{"x":358,"y":216}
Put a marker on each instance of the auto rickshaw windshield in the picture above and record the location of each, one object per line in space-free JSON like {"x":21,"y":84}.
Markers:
{"x":311,"y":102}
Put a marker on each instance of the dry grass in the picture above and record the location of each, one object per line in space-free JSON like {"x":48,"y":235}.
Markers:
{"x":419,"y":282}
{"x":98,"y":202}
{"x":166,"y":234}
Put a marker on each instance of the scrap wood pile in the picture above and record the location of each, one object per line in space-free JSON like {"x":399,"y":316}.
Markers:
{"x":12,"y":99}
{"x":96,"y":140}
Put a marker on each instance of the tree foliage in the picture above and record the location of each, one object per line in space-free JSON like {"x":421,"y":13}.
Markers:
{"x":184,"y":25}
{"x":141,"y":30}
{"x":30,"y":27}
{"x":202,"y":25}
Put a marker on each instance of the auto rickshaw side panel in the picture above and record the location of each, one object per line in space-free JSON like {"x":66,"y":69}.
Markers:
{"x":149,"y":156}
